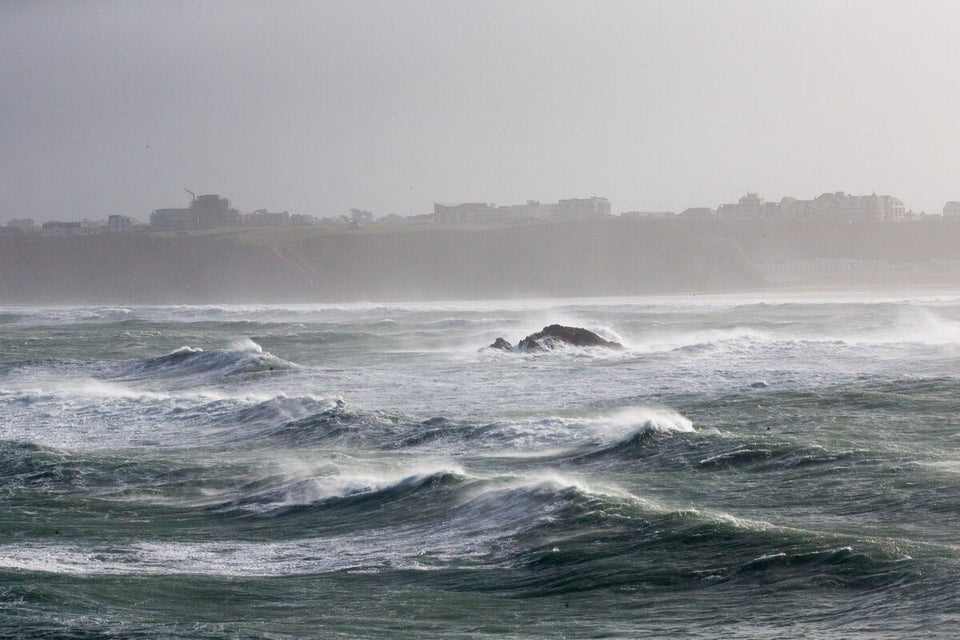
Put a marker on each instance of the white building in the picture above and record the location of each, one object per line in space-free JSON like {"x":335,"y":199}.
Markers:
{"x":583,"y":208}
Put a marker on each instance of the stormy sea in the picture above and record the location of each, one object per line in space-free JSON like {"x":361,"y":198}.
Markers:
{"x":775,"y":466}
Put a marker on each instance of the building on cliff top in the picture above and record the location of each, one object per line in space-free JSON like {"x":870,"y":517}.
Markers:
{"x":837,"y":206}
{"x":205,"y":212}
{"x":489,"y":213}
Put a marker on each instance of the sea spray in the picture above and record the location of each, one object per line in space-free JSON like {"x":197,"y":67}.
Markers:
{"x":366,"y":471}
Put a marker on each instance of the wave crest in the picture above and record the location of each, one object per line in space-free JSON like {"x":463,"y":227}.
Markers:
{"x":243,"y":358}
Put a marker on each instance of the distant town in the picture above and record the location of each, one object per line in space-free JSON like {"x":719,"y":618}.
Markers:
{"x":211,"y":211}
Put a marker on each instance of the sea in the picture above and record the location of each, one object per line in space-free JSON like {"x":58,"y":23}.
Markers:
{"x":750,"y":466}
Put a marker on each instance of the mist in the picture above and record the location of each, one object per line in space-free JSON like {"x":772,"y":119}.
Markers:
{"x":113,"y":108}
{"x":413,"y":319}
{"x":113,"y":112}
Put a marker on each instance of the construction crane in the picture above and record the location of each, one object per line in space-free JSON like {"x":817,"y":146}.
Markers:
{"x":191,"y":193}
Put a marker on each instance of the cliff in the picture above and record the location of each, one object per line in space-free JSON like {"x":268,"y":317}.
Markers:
{"x":766,"y":240}
{"x":308,"y":264}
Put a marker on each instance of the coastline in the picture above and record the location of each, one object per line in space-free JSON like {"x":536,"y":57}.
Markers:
{"x":612,"y":257}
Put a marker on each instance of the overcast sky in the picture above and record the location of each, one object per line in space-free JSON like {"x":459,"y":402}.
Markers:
{"x":316,"y":107}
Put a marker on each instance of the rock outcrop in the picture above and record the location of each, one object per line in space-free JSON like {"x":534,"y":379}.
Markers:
{"x":557,"y":335}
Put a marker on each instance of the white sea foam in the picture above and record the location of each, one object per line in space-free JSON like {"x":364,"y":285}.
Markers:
{"x":668,"y":341}
{"x":444,"y":461}
{"x":467,"y":535}
{"x":630,"y":419}
{"x":80,"y":389}
{"x":245,"y":345}
{"x":612,"y":426}
{"x":304,"y":481}
{"x":924,"y":326}
{"x":560,"y":435}
{"x":185,"y":350}
{"x":222,"y":558}
{"x":556,"y":481}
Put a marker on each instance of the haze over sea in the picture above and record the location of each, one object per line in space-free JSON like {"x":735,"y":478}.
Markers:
{"x":775,"y":466}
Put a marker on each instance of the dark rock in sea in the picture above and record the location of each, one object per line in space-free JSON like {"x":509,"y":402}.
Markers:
{"x":557,"y":335}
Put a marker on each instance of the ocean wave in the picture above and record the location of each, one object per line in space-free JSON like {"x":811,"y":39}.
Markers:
{"x":776,"y":456}
{"x":552,"y":435}
{"x":843,"y":326}
{"x":357,"y":490}
{"x":352,"y":494}
{"x":304,"y":421}
{"x":702,"y":341}
{"x":533,"y":535}
{"x":558,"y":567}
{"x":299,"y":421}
{"x":72,"y":315}
{"x":277,"y":410}
{"x":686,"y":549}
{"x":414,"y":519}
{"x":244,"y":358}
{"x":26,"y":464}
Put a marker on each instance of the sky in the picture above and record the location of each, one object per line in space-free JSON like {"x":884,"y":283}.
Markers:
{"x":318,"y":107}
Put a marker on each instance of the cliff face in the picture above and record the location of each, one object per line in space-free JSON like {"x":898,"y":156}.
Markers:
{"x":585,"y":259}
{"x":761,"y":241}
{"x":136,"y":269}
{"x":574,"y":259}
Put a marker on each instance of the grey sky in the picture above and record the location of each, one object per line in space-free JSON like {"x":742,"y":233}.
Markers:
{"x":316,"y":107}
